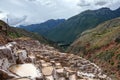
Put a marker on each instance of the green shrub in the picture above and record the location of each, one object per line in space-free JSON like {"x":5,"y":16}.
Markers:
{"x":118,"y":57}
{"x":14,"y":35}
{"x":106,"y":56}
{"x":112,"y":63}
{"x":118,"y":66}
{"x":117,"y":40}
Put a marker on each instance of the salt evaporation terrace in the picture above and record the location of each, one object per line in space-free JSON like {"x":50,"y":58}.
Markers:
{"x":31,"y":60}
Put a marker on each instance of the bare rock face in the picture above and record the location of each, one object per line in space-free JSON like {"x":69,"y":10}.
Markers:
{"x":31,"y":60}
{"x":3,"y":32}
{"x":2,"y":40}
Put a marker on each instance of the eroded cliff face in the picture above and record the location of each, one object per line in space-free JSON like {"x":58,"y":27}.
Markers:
{"x":27,"y":59}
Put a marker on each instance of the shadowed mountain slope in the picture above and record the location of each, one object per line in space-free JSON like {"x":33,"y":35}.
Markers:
{"x":44,"y":27}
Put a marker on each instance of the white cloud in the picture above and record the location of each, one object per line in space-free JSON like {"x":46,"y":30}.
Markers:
{"x":12,"y":20}
{"x":95,"y":4}
{"x":83,"y":3}
{"x":2,"y":15}
{"x":41,"y":10}
{"x":101,"y":3}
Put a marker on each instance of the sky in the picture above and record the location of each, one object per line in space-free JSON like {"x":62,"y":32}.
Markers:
{"x":26,"y":12}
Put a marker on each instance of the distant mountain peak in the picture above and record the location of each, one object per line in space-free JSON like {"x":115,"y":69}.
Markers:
{"x":101,"y":10}
{"x":104,"y":8}
{"x":44,"y":27}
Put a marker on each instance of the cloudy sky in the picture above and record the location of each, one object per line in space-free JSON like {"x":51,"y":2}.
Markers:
{"x":35,"y":11}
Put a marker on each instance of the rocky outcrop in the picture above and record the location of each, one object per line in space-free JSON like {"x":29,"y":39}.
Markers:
{"x":31,"y":60}
{"x":2,"y":40}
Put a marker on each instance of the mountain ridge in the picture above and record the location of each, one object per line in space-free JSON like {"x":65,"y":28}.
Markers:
{"x":68,"y":31}
{"x":44,"y":27}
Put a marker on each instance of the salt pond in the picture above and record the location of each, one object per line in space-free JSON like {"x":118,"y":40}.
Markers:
{"x":25,"y":70}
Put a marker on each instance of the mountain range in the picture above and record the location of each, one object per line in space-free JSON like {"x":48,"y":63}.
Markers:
{"x":44,"y":27}
{"x":66,"y":31}
{"x":71,"y":29}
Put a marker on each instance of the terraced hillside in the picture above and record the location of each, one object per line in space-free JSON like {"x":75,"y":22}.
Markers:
{"x":102,"y":46}
{"x":27,"y":59}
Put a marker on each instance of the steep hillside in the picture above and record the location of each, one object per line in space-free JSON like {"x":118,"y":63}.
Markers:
{"x":30,"y":60}
{"x":3,"y":33}
{"x":68,"y":31}
{"x":17,"y":32}
{"x":102,"y":46}
{"x":44,"y":27}
{"x":7,"y":32}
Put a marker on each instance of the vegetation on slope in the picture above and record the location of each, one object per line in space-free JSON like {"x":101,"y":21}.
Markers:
{"x":7,"y":32}
{"x":102,"y":46}
{"x":68,"y":31}
{"x":17,"y":32}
